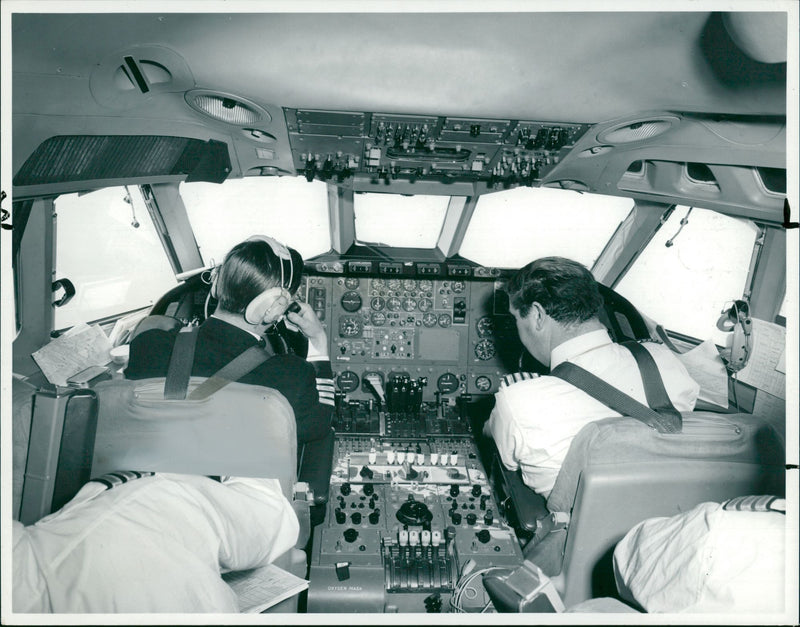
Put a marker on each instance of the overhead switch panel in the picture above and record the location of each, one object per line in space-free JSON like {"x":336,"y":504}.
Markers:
{"x":335,"y":146}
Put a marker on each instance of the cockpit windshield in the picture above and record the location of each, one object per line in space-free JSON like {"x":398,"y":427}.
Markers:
{"x":515,"y":226}
{"x":395,"y":220}
{"x":290,"y":209}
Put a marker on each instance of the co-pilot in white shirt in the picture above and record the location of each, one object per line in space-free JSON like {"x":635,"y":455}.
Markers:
{"x":534,"y":420}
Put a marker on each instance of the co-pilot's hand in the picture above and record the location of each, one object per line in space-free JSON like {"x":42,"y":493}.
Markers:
{"x":308,"y":324}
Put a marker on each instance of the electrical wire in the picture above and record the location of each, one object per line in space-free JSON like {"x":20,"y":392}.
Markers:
{"x":463,"y":589}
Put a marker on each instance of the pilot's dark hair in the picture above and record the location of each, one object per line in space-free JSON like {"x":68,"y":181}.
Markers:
{"x":565,"y":289}
{"x":251,"y":268}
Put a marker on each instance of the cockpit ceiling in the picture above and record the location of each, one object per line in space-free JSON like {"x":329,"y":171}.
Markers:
{"x":570,"y":67}
{"x":455,"y":103}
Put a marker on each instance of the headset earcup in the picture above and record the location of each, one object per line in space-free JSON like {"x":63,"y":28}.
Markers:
{"x":267,"y":307}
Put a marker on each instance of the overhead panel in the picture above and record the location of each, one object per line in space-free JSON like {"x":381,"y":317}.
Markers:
{"x":337,"y":145}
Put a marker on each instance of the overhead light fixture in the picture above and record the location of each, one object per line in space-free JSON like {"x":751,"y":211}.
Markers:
{"x":636,"y":131}
{"x":226,"y":107}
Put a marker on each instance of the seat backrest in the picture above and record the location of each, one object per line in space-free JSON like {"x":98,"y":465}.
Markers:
{"x":619,"y":472}
{"x":621,"y":318}
{"x":240,"y":430}
{"x":148,"y":323}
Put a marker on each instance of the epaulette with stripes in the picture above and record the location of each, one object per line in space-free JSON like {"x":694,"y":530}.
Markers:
{"x":762,"y":503}
{"x":326,"y":390}
{"x":516,"y":377}
{"x":113,"y":479}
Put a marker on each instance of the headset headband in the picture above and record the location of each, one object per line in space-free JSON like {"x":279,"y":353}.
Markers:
{"x":282,"y":253}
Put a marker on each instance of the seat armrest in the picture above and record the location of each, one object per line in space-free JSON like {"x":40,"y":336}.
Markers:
{"x":526,"y":505}
{"x":315,"y":464}
{"x":530,"y":506}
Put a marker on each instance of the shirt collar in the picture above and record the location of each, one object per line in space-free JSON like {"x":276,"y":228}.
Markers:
{"x":255,"y":335}
{"x":579,"y":345}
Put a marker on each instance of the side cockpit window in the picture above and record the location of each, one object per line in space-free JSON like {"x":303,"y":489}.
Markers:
{"x":108,"y":249}
{"x":685,"y":277}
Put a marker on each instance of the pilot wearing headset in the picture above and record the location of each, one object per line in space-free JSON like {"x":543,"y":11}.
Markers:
{"x":254,"y":289}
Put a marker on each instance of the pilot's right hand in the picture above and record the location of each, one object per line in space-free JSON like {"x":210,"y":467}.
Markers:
{"x":307,"y":322}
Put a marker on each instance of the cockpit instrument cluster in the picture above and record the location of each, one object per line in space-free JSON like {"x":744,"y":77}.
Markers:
{"x":335,"y":145}
{"x":414,"y":347}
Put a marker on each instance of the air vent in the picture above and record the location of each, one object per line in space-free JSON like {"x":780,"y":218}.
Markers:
{"x":226,"y":108}
{"x":636,"y":131}
{"x":637,"y":167}
{"x":700,"y":173}
{"x":774,"y":179}
{"x":133,"y":76}
{"x":140,"y":75}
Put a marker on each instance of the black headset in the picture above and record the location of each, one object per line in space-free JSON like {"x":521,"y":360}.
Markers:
{"x":736,"y":319}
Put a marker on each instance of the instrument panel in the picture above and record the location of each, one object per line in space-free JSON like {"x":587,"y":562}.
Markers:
{"x":448,"y":336}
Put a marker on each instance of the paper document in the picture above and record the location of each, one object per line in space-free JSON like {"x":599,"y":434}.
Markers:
{"x":767,"y":363}
{"x":263,"y":587}
{"x":707,"y":368}
{"x":80,"y":347}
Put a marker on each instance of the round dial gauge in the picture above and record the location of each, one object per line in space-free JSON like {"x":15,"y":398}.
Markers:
{"x":447,"y":383}
{"x":350,"y":326}
{"x":425,"y":304}
{"x":409,"y":304}
{"x":485,"y":349}
{"x":429,"y":320}
{"x":378,"y":318}
{"x":409,"y":285}
{"x":394,"y":285}
{"x":351,"y":301}
{"x":485,"y":326}
{"x":378,"y":284}
{"x":351,"y":283}
{"x":348,"y":381}
{"x":377,"y":303}
{"x":457,"y":286}
{"x":483,"y":383}
{"x":425,"y":285}
{"x":394,"y":304}
{"x":445,"y":320}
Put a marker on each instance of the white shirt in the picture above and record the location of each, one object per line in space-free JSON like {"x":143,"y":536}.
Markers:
{"x":155,"y":544}
{"x":534,"y":420}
